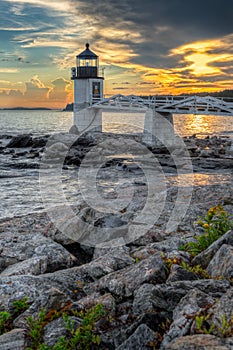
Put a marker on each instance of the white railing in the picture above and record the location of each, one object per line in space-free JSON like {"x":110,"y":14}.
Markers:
{"x":169,"y":104}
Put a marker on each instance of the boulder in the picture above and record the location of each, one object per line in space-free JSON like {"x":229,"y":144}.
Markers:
{"x":150,"y":297}
{"x":32,"y":254}
{"x":124,"y":282}
{"x":215,"y":288}
{"x":68,"y":281}
{"x":39,"y":142}
{"x":170,"y":245}
{"x":222,"y":263}
{"x":143,"y":253}
{"x":178,"y":273}
{"x":221,"y":315}
{"x":85,"y":140}
{"x":74,"y":130}
{"x":33,"y":266}
{"x":50,"y":300}
{"x":144,"y":299}
{"x":55,"y":153}
{"x":200,"y":342}
{"x":20,"y":141}
{"x":16,"y":339}
{"x":57,"y":328}
{"x":204,"y":257}
{"x":108,"y":263}
{"x":114,"y":251}
{"x":140,"y":339}
{"x":184,"y":314}
{"x":92,"y":300}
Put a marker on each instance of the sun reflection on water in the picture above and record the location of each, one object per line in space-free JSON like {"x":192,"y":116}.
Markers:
{"x":202,"y":125}
{"x":200,"y":179}
{"x":184,"y":124}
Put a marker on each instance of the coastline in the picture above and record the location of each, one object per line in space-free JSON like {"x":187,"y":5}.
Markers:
{"x":21,"y":156}
{"x":133,"y":283}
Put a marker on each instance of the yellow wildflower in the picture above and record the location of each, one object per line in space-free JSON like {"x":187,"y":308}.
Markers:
{"x":206,"y":225}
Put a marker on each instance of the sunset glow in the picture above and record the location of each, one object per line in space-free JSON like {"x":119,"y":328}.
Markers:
{"x":141,"y":51}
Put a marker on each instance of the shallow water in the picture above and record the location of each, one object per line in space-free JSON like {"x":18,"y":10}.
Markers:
{"x":20,"y":191}
{"x":21,"y":195}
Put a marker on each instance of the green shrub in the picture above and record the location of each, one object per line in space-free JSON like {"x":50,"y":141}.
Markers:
{"x":36,"y":328}
{"x":20,"y":306}
{"x":5,"y":318}
{"x":215,"y":223}
{"x":82,"y":337}
{"x":204,"y":326}
{"x":196,"y":269}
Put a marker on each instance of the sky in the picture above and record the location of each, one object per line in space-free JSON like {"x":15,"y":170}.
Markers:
{"x":145,"y":47}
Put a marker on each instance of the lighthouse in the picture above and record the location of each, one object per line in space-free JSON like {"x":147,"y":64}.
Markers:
{"x":88,"y":87}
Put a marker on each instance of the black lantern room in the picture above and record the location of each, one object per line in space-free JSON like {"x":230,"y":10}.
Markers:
{"x":87,"y":64}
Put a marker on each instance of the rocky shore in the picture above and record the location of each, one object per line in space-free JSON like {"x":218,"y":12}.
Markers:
{"x":150,"y":299}
{"x":25,"y":151}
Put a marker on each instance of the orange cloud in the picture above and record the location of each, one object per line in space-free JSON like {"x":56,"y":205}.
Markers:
{"x":202,"y":68}
{"x":37,"y":94}
{"x":200,"y":56}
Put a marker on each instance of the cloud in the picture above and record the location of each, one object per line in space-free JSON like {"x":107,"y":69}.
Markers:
{"x":17,"y":29}
{"x":7,"y":85}
{"x":209,"y":58}
{"x":157,"y":46}
{"x":122,"y":83}
{"x":9,"y":70}
{"x":146,"y":83}
{"x":36,"y":93}
{"x":61,"y":5}
{"x":162,"y":43}
{"x":9,"y":98}
{"x":11,"y":58}
{"x":120,"y":88}
{"x":17,"y":9}
{"x":10,"y":93}
{"x":5,"y":82}
{"x":61,"y":90}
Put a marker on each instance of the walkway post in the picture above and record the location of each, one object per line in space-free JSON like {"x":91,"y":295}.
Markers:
{"x":158,"y":129}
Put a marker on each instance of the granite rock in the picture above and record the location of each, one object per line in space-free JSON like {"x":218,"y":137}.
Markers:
{"x":183,"y":315}
{"x":222,"y":262}
{"x":124,"y":282}
{"x":204,"y":257}
{"x":200,"y":342}
{"x":178,"y":273}
{"x":32,"y":254}
{"x":14,"y":340}
{"x":140,"y":339}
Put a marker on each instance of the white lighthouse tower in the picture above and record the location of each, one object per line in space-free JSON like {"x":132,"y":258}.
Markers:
{"x":88,"y":89}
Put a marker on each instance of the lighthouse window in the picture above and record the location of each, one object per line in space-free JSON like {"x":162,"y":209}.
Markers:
{"x":96,"y":89}
{"x":87,"y":63}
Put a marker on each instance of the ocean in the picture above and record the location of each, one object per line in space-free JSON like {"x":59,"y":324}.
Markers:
{"x":40,"y":122}
{"x":20,"y":191}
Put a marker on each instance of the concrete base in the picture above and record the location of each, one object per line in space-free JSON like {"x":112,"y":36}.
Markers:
{"x":158,"y":129}
{"x":88,"y":119}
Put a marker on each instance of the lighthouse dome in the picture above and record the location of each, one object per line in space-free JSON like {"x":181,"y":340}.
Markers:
{"x":87,"y":54}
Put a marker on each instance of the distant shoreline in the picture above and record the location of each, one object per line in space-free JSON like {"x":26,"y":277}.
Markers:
{"x":26,"y":109}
